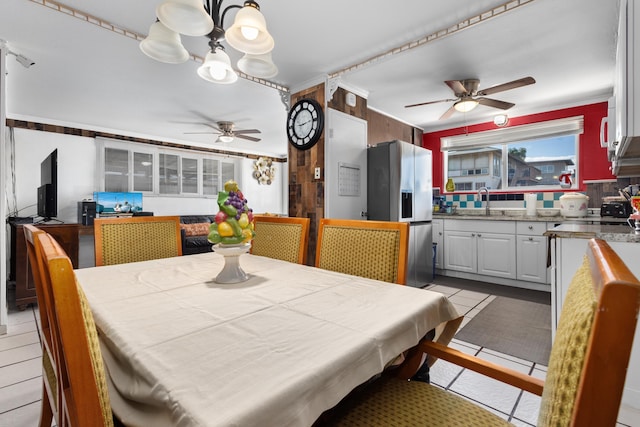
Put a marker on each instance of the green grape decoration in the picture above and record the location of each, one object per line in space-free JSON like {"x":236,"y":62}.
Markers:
{"x":233,"y":223}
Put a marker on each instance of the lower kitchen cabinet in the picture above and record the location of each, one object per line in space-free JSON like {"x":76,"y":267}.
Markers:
{"x":531,"y":248}
{"x":490,"y":252}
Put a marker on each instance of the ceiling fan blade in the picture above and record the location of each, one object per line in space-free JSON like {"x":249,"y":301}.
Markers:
{"x":495,"y":103}
{"x":247,"y":131}
{"x":507,"y":86}
{"x":430,"y":102}
{"x":447,"y":113}
{"x":456,"y":86}
{"x":250,"y":138}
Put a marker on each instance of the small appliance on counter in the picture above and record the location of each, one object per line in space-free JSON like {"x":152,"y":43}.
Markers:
{"x":617,"y":207}
{"x":574,"y":205}
{"x":634,"y":218}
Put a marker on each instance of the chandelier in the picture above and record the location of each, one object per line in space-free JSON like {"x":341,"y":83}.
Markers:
{"x":248,"y":34}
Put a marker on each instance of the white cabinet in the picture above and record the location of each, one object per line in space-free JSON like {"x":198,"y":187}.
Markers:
{"x":497,"y":255}
{"x":438,"y":239}
{"x":461,"y":252}
{"x":491,"y":251}
{"x":531,"y":249}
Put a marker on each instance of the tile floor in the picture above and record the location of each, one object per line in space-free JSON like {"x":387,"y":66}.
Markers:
{"x":21,"y":376}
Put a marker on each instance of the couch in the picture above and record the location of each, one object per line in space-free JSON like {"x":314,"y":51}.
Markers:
{"x":194,"y":230}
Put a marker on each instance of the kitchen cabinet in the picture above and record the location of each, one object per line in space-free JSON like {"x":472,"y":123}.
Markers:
{"x":438,"y":239}
{"x":531,"y":252}
{"x":626,"y":161}
{"x":490,"y":252}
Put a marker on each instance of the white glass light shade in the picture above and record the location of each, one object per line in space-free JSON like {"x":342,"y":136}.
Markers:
{"x":258,"y":65}
{"x":185,"y":17}
{"x":225,"y":138}
{"x":217,"y":68}
{"x":465,"y":105}
{"x":164,"y":45}
{"x":250,"y":22}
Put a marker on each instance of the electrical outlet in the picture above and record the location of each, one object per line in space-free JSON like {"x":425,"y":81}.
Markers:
{"x":316,"y":174}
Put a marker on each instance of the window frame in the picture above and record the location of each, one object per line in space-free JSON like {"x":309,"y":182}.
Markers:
{"x":230,"y":165}
{"x":504,"y":137}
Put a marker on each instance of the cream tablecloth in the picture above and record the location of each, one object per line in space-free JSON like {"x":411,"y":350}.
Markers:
{"x":279,"y":349}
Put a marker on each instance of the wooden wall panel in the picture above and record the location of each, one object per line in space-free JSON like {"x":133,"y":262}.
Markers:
{"x":338,"y":102}
{"x":382,"y":128}
{"x":306,"y":194}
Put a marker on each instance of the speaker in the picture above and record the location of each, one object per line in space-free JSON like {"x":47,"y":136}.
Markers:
{"x":86,"y":212}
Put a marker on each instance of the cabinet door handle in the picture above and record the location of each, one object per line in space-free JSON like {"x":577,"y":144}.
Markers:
{"x":440,"y":233}
{"x":531,"y":227}
{"x":530,"y":239}
{"x":473,"y":234}
{"x":479,"y":235}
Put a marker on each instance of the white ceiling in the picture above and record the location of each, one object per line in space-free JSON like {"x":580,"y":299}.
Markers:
{"x":87,"y":76}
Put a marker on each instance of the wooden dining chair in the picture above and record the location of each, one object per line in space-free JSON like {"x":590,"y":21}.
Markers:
{"x":84,"y":393}
{"x":284,"y":238}
{"x":372,"y":249}
{"x":132,"y":239}
{"x":585,"y":377}
{"x":51,"y":394}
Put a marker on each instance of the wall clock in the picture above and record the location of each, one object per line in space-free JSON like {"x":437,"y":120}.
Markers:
{"x":305,"y":123}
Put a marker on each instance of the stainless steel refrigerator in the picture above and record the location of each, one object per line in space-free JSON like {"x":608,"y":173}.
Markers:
{"x":399,"y":188}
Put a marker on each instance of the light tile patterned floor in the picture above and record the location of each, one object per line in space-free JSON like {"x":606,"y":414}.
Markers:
{"x":21,"y":372}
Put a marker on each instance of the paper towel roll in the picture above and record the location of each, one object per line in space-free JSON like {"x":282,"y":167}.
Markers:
{"x":531,"y":201}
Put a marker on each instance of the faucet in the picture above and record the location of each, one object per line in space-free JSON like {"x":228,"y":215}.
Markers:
{"x":486,"y":190}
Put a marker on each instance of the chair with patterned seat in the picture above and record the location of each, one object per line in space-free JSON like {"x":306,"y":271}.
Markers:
{"x":132,"y":239}
{"x":51,"y":394}
{"x":284,"y":238}
{"x":372,"y":249}
{"x":82,"y":377}
{"x":585,"y":377}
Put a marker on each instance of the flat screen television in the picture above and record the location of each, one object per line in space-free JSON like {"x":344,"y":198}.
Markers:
{"x":48,"y":190}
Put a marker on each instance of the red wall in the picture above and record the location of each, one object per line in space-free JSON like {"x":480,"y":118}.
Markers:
{"x":592,"y":159}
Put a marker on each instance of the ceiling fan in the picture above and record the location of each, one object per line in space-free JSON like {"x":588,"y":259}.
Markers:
{"x":468,"y":95}
{"x":227,"y":133}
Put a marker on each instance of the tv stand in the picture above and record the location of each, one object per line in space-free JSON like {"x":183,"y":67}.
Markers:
{"x":20,"y":272}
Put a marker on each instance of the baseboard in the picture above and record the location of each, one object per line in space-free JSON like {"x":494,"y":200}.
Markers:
{"x":496,"y":280}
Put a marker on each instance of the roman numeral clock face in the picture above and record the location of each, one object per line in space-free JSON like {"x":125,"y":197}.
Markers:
{"x":305,"y":123}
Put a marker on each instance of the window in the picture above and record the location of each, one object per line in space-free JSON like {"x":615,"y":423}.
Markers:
{"x":522,"y":157}
{"x":142,"y":172}
{"x":150,"y":170}
{"x":116,"y":170}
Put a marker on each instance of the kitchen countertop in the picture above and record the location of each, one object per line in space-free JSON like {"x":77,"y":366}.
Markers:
{"x":609,"y":233}
{"x":511,"y":215}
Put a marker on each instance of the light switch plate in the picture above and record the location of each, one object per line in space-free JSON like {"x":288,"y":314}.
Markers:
{"x":316,"y":174}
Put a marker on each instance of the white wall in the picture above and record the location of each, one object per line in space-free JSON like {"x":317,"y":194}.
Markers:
{"x":77,"y":179}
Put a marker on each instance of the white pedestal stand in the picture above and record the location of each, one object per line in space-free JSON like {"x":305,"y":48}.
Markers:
{"x":232,"y":272}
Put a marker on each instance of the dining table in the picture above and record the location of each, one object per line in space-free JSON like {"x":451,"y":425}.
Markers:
{"x":278,"y":349}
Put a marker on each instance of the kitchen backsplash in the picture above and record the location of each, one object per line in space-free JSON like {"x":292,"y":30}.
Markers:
{"x":510,"y":200}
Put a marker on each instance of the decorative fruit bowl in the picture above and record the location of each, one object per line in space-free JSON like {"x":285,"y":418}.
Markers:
{"x":231,"y":232}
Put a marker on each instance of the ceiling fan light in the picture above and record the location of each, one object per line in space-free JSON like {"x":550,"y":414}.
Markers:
{"x":225,"y":138}
{"x":261,"y":66}
{"x":164,"y":45}
{"x":465,"y":105}
{"x":217,"y":68}
{"x":248,"y":33}
{"x":185,"y":17}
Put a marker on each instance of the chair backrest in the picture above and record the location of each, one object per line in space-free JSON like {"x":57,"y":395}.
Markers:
{"x":372,"y":249}
{"x":284,"y":238}
{"x":132,"y":239}
{"x":51,"y":347}
{"x":590,"y":353}
{"x":84,"y":387}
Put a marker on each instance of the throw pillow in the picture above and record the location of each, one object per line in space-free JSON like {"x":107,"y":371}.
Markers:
{"x":198,"y":229}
